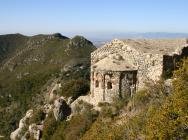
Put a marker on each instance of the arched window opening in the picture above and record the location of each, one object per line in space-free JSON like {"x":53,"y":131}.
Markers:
{"x":96,"y":83}
{"x":109,"y":85}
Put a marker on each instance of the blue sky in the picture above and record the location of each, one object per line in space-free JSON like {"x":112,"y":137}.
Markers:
{"x":93,"y":16}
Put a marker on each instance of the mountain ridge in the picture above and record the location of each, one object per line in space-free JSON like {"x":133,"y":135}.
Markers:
{"x":29,"y":63}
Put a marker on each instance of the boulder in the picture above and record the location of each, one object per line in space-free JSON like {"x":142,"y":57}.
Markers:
{"x":61,"y":109}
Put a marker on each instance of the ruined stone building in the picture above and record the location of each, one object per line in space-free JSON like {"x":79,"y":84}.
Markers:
{"x":121,"y":67}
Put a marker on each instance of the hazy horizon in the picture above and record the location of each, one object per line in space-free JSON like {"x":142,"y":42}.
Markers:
{"x":109,"y":36}
{"x":93,"y":19}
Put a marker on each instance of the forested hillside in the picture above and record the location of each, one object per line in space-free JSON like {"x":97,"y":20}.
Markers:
{"x":30,"y":64}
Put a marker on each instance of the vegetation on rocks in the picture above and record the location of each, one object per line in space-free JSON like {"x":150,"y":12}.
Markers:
{"x":73,"y":129}
{"x":28,"y":63}
{"x":50,"y":126}
{"x":38,"y":116}
{"x":75,"y":88}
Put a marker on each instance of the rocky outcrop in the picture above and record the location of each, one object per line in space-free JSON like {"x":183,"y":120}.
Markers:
{"x":23,"y":124}
{"x":61,"y":109}
{"x":52,"y":94}
{"x":35,"y":131}
{"x":47,"y":108}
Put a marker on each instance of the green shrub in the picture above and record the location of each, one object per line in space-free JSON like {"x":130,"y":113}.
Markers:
{"x":75,"y":88}
{"x":23,"y":97}
{"x":82,"y":107}
{"x":59,"y":133}
{"x":73,"y":129}
{"x":168,"y":121}
{"x":103,"y":130}
{"x":113,"y":109}
{"x":38,"y":116}
{"x":141,"y":98}
{"x":50,"y":126}
{"x":76,"y":127}
{"x":119,"y":103}
{"x":101,"y":104}
{"x":108,"y":111}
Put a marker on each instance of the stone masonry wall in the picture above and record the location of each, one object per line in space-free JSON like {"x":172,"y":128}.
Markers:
{"x":99,"y":85}
{"x":149,"y":65}
{"x":128,"y":83}
{"x":106,"y":85}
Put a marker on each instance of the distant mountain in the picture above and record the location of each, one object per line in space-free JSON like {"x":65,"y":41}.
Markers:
{"x":103,"y":38}
{"x":152,"y":35}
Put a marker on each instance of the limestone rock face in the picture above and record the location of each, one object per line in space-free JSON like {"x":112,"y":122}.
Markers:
{"x":61,"y":109}
{"x":69,"y":100}
{"x":22,"y":125}
{"x":35,"y":131}
{"x":52,"y":91}
{"x":47,"y":108}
